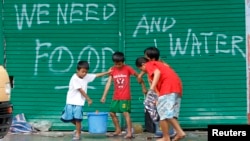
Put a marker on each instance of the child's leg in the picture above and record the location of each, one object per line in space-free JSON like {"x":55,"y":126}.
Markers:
{"x":174,"y":121}
{"x":179,"y":132}
{"x":168,"y":108}
{"x":77,"y":113}
{"x":116,"y":123}
{"x":73,"y":122}
{"x":78,"y":129}
{"x":165,"y":128}
{"x":129,"y":124}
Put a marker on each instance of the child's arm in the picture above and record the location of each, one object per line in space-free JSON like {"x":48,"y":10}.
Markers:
{"x":155,"y":80}
{"x":144,"y":89}
{"x":86,"y":96}
{"x":108,"y":84}
{"x":139,"y":76}
{"x":103,"y":73}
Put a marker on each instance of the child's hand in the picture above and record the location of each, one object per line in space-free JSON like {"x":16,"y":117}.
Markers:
{"x":89,"y":101}
{"x":144,"y":90}
{"x":103,"y":100}
{"x":110,"y":70}
{"x":139,"y":80}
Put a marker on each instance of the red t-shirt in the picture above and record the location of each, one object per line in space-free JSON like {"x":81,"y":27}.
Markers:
{"x":169,"y":81}
{"x":121,"y":78}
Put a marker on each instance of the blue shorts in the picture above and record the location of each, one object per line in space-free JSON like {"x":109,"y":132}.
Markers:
{"x":72,"y":113}
{"x":168,"y":106}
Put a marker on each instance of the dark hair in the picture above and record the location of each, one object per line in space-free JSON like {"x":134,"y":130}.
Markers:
{"x":83,"y":64}
{"x":140,"y":60}
{"x":118,"y":57}
{"x":152,"y":53}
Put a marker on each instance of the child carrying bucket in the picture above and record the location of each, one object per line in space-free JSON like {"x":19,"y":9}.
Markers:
{"x":76,"y":96}
{"x":121,"y":102}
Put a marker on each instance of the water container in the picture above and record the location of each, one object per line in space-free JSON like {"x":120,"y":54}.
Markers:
{"x":97,"y":122}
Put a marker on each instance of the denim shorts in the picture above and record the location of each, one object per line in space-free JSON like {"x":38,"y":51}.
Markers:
{"x":72,"y":113}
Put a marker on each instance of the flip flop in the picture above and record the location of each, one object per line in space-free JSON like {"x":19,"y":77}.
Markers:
{"x":113,"y":134}
{"x":153,"y":137}
{"x":129,"y":137}
{"x":76,"y":138}
{"x":173,"y":136}
{"x":177,"y":138}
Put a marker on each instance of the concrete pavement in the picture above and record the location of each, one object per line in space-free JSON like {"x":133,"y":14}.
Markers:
{"x":67,"y":136}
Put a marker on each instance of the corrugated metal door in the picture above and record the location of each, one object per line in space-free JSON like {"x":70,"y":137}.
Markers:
{"x":1,"y":41}
{"x":204,"y":41}
{"x":45,"y":40}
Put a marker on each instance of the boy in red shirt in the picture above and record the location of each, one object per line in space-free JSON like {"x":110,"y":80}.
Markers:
{"x":121,"y":102}
{"x":169,"y":88}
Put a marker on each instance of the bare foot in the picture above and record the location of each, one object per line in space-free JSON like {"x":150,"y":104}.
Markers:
{"x":114,"y":134}
{"x":129,"y":136}
{"x":117,"y":132}
{"x":179,"y":137}
{"x":162,"y":139}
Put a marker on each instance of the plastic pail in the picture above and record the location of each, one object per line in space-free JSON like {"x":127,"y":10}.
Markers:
{"x":97,"y":122}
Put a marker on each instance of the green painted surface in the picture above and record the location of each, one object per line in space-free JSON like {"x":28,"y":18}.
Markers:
{"x":45,"y":40}
{"x":204,"y":41}
{"x":1,"y":38}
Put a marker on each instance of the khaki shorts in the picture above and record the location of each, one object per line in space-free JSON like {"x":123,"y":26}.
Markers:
{"x":120,"y":106}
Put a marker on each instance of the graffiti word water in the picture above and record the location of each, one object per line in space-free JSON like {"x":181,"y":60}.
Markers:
{"x":220,"y":41}
{"x":193,"y":43}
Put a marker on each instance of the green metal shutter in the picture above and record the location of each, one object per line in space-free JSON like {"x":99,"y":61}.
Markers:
{"x":204,"y":41}
{"x":44,"y":42}
{"x":1,"y":39}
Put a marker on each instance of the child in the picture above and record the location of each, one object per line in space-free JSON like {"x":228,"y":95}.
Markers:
{"x":121,"y":102}
{"x":153,"y":54}
{"x":169,"y":88}
{"x":76,"y":96}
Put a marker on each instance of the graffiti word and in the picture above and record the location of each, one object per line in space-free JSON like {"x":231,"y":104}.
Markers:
{"x":144,"y":24}
{"x":66,"y":13}
{"x":147,"y":26}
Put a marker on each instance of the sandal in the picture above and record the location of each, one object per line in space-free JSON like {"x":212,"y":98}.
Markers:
{"x":76,"y":138}
{"x":129,"y":137}
{"x":172,"y":136}
{"x":177,"y":138}
{"x":113,"y":134}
